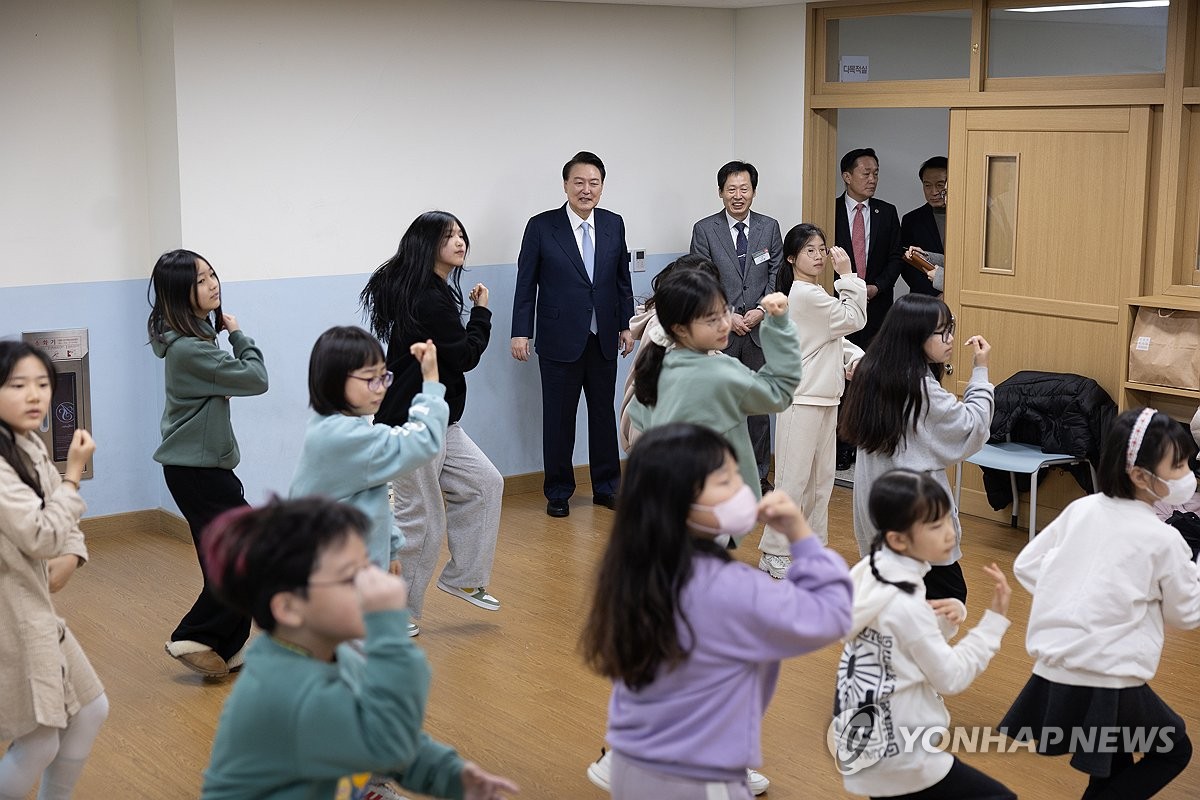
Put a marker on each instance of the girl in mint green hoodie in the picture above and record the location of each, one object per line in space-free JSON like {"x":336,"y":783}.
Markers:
{"x":198,"y":450}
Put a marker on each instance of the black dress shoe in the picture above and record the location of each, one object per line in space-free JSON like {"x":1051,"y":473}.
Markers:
{"x":558,"y":508}
{"x":843,"y":464}
{"x":606,"y":500}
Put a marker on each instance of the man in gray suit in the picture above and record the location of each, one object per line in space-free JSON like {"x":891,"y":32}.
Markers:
{"x":748,"y":249}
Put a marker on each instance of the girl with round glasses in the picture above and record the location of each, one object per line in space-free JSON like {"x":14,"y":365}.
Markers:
{"x":899,"y":416}
{"x":347,"y":458}
{"x":412,"y":297}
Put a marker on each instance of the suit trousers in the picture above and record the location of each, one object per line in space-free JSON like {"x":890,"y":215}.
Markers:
{"x":203,"y":494}
{"x":562,"y":381}
{"x":805,"y":450}
{"x":455,"y":497}
{"x":746,"y":351}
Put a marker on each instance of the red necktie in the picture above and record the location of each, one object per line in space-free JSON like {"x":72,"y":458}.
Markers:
{"x":858,"y":242}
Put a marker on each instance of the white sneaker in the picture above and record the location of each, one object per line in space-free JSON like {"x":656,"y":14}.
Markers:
{"x":600,"y":770}
{"x":775,"y":566}
{"x":757,"y":781}
{"x":476,"y":596}
{"x":413,"y":629}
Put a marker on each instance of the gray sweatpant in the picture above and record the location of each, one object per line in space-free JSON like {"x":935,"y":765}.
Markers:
{"x":457,"y":497}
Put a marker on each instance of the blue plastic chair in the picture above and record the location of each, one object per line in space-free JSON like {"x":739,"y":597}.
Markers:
{"x":1014,"y":457}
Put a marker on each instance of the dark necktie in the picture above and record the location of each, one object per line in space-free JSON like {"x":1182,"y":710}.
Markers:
{"x":741,"y":247}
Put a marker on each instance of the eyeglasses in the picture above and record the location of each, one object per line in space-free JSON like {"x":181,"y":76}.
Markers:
{"x":376,"y":383}
{"x":945,"y":332}
{"x":715,"y":321}
{"x":815,"y":252}
{"x":349,"y":581}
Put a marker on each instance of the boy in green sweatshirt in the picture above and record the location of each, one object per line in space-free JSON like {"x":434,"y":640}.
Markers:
{"x":309,"y":709}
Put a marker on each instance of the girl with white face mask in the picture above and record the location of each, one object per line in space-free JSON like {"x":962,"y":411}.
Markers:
{"x":692,"y":639}
{"x":1105,"y":576}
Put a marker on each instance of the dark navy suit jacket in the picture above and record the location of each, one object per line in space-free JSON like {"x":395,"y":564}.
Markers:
{"x":554,"y":298}
{"x":918,"y":227}
{"x":885,"y":258}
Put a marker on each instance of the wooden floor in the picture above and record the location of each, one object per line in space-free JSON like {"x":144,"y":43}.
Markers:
{"x":509,"y":690}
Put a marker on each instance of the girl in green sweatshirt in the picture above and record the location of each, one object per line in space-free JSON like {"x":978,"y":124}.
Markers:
{"x":198,"y":450}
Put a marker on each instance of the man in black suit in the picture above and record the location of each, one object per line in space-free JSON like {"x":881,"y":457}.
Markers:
{"x":869,"y":230}
{"x":573,"y":276}
{"x":925,"y":227}
{"x":747,"y":248}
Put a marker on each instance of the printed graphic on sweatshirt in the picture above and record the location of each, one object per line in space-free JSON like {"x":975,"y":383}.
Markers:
{"x":862,"y":732}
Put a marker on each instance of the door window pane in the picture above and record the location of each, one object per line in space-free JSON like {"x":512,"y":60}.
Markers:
{"x":902,"y":47}
{"x":1026,"y":43}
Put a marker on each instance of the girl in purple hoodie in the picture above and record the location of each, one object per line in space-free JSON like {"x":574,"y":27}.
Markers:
{"x":692,"y":639}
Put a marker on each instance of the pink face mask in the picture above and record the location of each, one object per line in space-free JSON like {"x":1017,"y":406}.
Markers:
{"x":736,"y":516}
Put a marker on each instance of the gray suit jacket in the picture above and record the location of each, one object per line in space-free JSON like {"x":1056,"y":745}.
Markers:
{"x":712,"y":240}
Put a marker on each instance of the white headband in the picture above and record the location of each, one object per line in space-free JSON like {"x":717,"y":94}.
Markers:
{"x":1137,"y":434}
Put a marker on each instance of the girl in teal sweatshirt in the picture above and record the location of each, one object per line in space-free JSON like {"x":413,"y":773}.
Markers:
{"x":349,"y":459}
{"x":198,"y":450}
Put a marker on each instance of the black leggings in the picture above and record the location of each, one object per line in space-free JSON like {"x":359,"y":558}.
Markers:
{"x":1130,"y":781}
{"x":947,"y":581}
{"x":962,"y":783}
{"x":202,"y":494}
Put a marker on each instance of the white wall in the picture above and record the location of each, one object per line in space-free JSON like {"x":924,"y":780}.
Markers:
{"x":311,"y":133}
{"x":769,"y":105}
{"x":72,"y":143}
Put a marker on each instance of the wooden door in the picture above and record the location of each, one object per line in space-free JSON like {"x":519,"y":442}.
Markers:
{"x":1046,"y":236}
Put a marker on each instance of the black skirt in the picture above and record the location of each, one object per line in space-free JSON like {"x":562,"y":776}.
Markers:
{"x":1091,"y":723}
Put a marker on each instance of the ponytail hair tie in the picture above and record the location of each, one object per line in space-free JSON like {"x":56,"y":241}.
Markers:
{"x":1136,"y":434}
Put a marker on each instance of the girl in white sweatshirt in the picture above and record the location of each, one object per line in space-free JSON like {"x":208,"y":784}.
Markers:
{"x":1105,"y":575}
{"x":897,"y":662}
{"x":899,"y":416}
{"x":805,"y":431}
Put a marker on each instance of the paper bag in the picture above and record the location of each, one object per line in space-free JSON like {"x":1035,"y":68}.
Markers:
{"x":1165,"y":348}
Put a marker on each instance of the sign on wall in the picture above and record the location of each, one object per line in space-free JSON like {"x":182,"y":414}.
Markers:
{"x":854,"y":69}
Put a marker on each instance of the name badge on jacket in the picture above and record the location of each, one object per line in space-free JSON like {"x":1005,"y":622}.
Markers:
{"x":762,"y":255}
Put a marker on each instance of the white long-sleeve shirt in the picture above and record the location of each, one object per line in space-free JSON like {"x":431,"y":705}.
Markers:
{"x":822,"y":323}
{"x":896,"y":664}
{"x":1105,"y":575}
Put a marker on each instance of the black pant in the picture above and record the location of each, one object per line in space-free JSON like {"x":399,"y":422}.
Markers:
{"x":202,"y":494}
{"x":1130,"y":781}
{"x":947,"y":581}
{"x":962,"y":783}
{"x":562,"y":381}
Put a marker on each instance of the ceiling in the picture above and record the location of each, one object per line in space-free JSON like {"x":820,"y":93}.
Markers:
{"x":690,"y":3}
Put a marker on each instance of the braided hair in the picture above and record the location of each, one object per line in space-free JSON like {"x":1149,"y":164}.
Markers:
{"x":900,"y":499}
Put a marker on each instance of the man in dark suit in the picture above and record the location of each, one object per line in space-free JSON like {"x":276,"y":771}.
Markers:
{"x":869,"y":230}
{"x":925,"y":227}
{"x":573,"y":271}
{"x":747,"y":248}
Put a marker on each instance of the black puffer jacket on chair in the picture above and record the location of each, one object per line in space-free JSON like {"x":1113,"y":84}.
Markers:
{"x":1059,"y":412}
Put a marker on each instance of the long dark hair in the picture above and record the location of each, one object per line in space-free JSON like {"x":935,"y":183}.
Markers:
{"x":888,"y":392}
{"x":685,"y":295}
{"x":686,"y":261}
{"x":394,"y":291}
{"x":899,"y":500}
{"x":633,"y":626}
{"x":10,"y":353}
{"x":1163,"y":435}
{"x":171,"y":293}
{"x":795,"y":241}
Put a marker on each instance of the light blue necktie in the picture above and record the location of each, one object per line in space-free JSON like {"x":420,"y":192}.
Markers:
{"x":589,"y":265}
{"x":589,"y":253}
